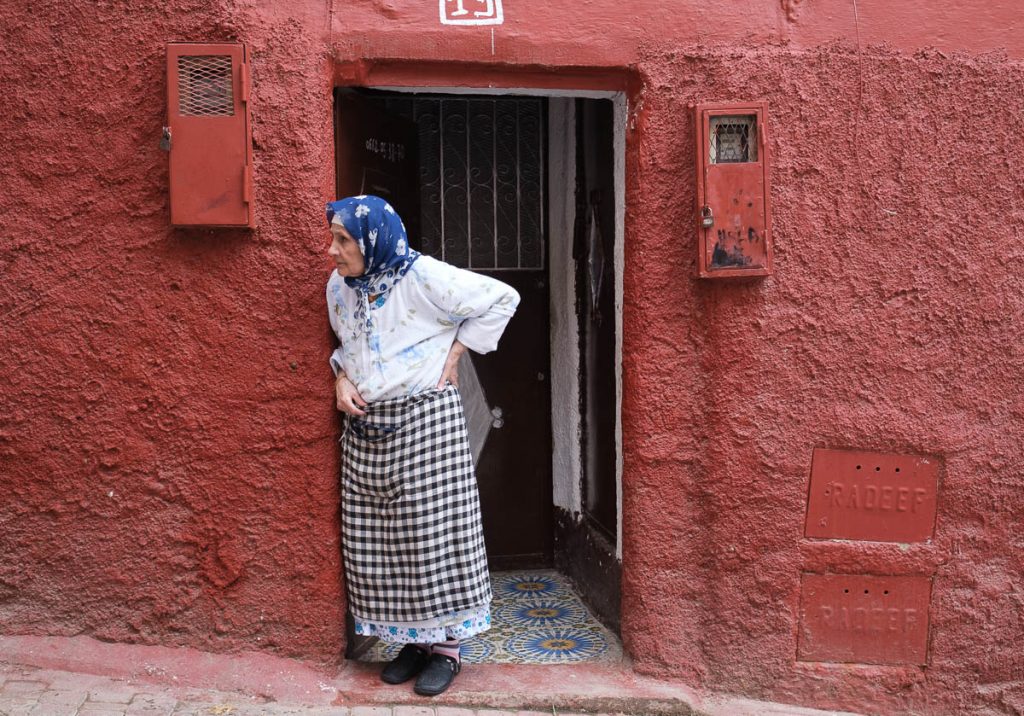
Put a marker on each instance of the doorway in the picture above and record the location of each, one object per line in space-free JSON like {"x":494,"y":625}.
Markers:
{"x":527,"y":188}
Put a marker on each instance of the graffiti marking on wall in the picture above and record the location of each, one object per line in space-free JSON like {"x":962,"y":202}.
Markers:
{"x":390,"y":151}
{"x":471,"y":12}
{"x":729,"y":249}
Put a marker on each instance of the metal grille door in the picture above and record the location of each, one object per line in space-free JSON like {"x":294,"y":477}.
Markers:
{"x":482,"y":192}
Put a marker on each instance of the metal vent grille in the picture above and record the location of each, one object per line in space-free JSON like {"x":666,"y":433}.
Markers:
{"x":204,"y":86}
{"x":733,"y":139}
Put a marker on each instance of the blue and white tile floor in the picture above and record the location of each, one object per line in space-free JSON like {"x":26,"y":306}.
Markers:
{"x":536,"y":618}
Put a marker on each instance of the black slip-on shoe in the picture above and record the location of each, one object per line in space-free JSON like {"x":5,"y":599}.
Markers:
{"x":437,"y":676}
{"x":409,"y":662}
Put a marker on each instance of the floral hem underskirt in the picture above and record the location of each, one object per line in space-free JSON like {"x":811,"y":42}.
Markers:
{"x":431,"y":631}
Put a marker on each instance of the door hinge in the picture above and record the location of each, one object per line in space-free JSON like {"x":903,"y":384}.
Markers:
{"x":244,"y":72}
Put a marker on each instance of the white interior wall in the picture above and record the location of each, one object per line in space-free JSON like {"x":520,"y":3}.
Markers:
{"x":565,"y":356}
{"x":621,"y":110}
{"x":565,"y":351}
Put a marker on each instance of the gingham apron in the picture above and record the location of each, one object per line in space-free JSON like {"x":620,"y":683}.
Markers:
{"x":412,"y":539}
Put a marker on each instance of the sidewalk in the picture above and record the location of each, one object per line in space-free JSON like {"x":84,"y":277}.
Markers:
{"x":26,"y":691}
{"x":78,"y":676}
{"x":37,"y":692}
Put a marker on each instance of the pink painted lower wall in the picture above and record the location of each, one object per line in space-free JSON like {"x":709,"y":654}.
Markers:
{"x":167,"y":435}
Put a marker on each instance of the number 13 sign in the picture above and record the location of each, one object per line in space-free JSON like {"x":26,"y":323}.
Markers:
{"x":471,"y":12}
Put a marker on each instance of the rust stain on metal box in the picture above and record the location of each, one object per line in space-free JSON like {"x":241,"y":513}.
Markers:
{"x":871,"y":496}
{"x":864,"y":618}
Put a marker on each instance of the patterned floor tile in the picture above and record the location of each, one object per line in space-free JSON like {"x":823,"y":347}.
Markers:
{"x":533,"y":584}
{"x":558,"y":645}
{"x":536,"y":618}
{"x":539,"y":613}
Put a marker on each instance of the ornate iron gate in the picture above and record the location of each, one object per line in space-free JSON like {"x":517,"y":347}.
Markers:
{"x":482,"y":179}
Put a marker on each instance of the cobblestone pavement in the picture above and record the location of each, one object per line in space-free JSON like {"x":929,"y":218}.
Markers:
{"x":32,"y":692}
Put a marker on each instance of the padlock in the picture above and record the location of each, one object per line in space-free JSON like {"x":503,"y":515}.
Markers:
{"x":707,"y":219}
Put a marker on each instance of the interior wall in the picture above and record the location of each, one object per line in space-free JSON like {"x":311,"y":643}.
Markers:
{"x":565,"y":354}
{"x":621,"y":111}
{"x":581,"y":550}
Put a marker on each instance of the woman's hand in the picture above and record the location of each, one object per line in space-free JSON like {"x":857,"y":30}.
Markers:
{"x":349,"y":399}
{"x":451,"y":366}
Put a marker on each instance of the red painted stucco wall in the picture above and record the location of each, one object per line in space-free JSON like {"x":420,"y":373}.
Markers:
{"x":167,"y":437}
{"x":166,"y":452}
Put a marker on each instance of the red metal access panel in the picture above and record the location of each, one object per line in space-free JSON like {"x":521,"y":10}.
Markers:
{"x":864,"y":619}
{"x":208,"y":135}
{"x":883,"y":497}
{"x":733,"y":209}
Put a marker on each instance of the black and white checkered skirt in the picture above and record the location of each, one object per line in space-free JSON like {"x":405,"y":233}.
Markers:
{"x":412,"y":538}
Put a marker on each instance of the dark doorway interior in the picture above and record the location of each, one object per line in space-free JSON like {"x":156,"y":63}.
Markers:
{"x":469,"y":175}
{"x":585,"y":546}
{"x":595,"y":282}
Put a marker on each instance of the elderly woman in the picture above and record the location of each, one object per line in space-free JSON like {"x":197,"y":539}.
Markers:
{"x":413,"y":547}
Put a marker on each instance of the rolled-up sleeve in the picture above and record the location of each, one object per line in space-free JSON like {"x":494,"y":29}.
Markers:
{"x":481,"y":333}
{"x":481,"y":306}
{"x":336,"y":361}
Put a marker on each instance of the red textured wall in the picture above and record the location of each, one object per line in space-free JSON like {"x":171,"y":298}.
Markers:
{"x":166,"y":448}
{"x":185,"y":371}
{"x":892,"y":323}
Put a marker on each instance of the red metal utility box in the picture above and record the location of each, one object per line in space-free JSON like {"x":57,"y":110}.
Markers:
{"x":885,"y":497}
{"x":208,"y":135}
{"x":733,"y":212}
{"x":863,"y":618}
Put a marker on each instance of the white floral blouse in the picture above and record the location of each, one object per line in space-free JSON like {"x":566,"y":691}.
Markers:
{"x":401,"y":347}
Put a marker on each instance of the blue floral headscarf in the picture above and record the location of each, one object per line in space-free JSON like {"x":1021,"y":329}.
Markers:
{"x":381,"y":236}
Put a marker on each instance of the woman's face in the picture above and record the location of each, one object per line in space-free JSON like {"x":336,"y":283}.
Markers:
{"x":345,"y":252}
